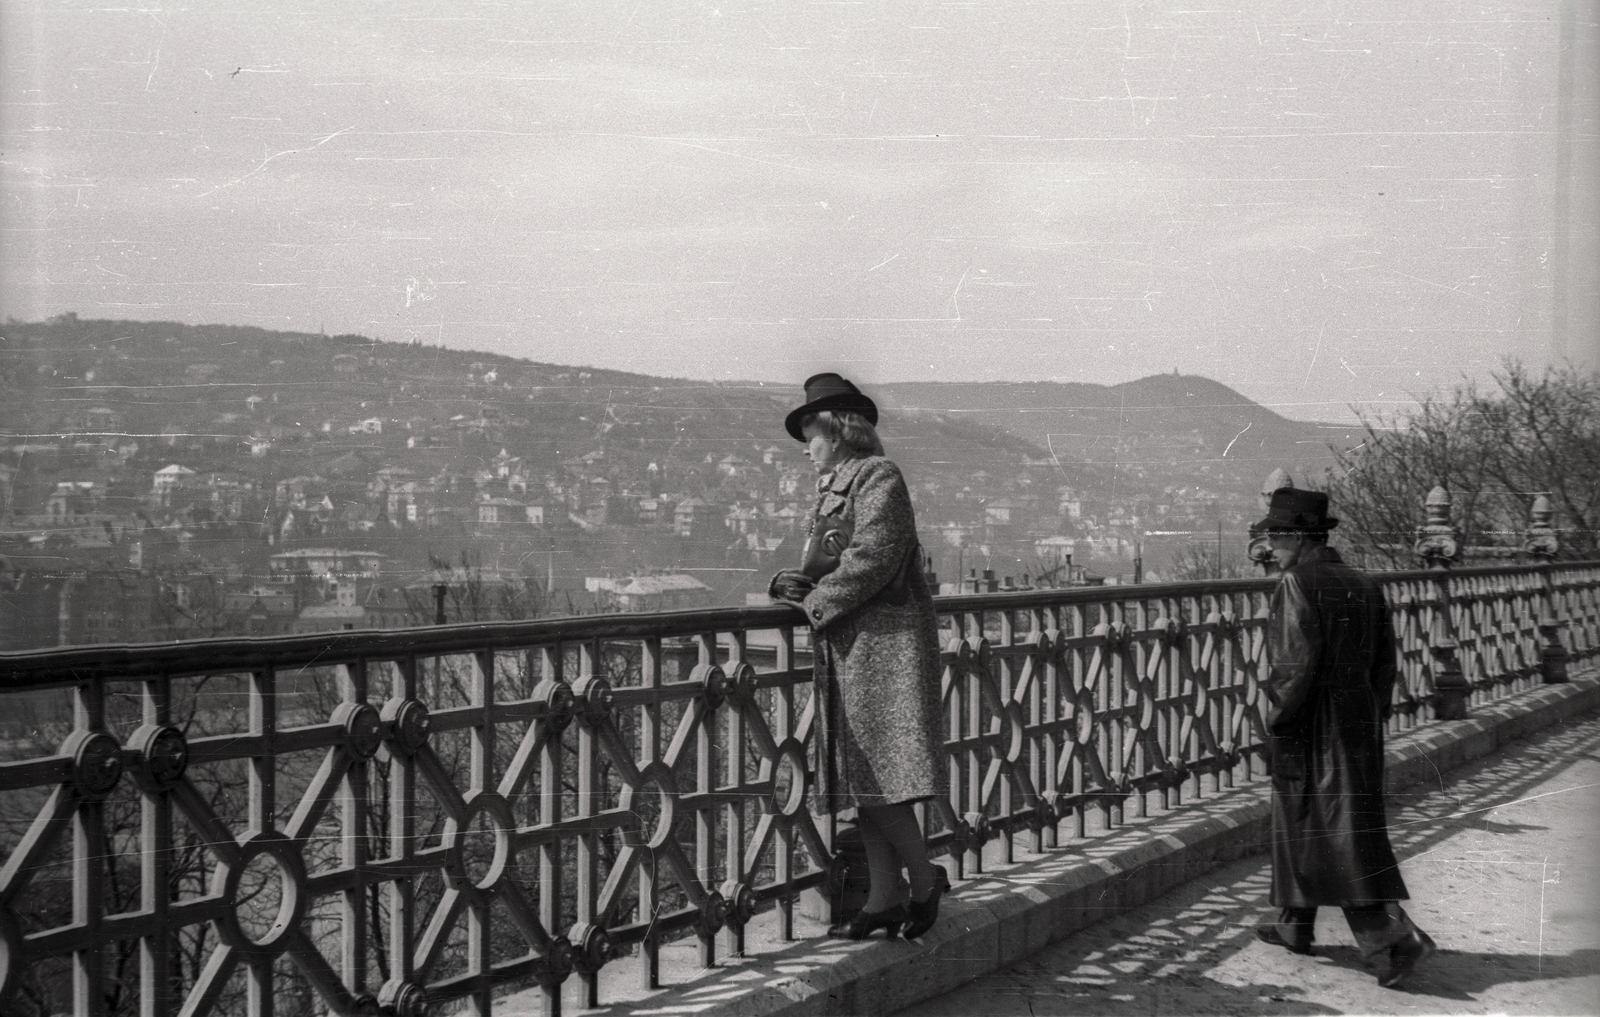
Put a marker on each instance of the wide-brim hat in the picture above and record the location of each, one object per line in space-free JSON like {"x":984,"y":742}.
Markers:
{"x":829,"y":392}
{"x":1292,"y":510}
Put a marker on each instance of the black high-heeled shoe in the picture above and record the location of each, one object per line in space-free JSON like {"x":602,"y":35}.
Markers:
{"x":923,"y":913}
{"x":866,"y":922}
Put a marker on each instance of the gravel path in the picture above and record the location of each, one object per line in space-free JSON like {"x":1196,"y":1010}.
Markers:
{"x":1502,"y":858}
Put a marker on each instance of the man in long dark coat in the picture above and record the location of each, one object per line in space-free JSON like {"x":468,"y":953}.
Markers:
{"x":1330,"y":644}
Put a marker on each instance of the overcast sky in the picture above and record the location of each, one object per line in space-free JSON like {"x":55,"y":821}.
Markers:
{"x":1316,"y":203}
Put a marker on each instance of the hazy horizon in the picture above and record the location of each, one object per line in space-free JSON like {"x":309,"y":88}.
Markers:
{"x":1314,"y":209}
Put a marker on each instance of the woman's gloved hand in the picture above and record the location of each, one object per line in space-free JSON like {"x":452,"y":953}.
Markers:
{"x":791,"y":585}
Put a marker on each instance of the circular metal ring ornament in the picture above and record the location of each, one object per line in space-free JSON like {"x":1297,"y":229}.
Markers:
{"x":10,"y":955}
{"x":742,"y":681}
{"x":592,"y":947}
{"x":659,"y":776}
{"x":1044,"y":647}
{"x":163,"y":756}
{"x":741,"y":902}
{"x":713,"y":913}
{"x":559,"y":961}
{"x":363,"y":728}
{"x":962,"y":650}
{"x":982,"y":656}
{"x":592,"y":699}
{"x":409,"y":725}
{"x":1083,"y":714}
{"x":291,"y":905}
{"x":961,"y":836}
{"x":96,"y":763}
{"x":492,"y":805}
{"x":1013,"y":726}
{"x":715,"y":681}
{"x":792,"y":752}
{"x":559,"y":704}
{"x":404,"y":999}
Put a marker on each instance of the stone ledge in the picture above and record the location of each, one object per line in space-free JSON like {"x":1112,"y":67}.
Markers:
{"x":998,"y":917}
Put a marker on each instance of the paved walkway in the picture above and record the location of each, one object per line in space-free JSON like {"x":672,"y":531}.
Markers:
{"x":1502,"y":858}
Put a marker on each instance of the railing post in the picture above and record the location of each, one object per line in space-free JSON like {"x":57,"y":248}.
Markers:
{"x":1259,"y":550}
{"x":1439,"y":546}
{"x":1542,"y":545}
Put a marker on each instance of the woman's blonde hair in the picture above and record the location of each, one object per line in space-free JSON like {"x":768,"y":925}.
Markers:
{"x":850,"y":427}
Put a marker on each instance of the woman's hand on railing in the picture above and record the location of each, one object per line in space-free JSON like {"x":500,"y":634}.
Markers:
{"x":791,"y":585}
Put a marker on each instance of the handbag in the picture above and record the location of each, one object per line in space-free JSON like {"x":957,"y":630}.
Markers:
{"x":830,"y":535}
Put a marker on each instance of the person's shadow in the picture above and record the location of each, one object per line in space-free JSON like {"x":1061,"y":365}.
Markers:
{"x":1456,"y":974}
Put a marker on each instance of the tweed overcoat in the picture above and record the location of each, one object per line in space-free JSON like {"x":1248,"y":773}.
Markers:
{"x":877,"y":646}
{"x":1330,"y":645}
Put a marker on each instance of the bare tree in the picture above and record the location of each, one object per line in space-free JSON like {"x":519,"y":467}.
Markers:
{"x":1494,"y":451}
{"x":1200,"y":560}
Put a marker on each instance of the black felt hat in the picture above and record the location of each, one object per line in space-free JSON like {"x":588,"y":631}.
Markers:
{"x":829,"y":392}
{"x":1292,"y":510}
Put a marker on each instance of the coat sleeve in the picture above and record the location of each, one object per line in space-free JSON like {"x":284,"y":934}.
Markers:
{"x":1384,"y":669}
{"x":883,"y":537}
{"x":1294,"y":651}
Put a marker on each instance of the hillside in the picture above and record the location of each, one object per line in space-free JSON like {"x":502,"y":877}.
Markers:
{"x":1154,"y":431}
{"x":270,"y":440}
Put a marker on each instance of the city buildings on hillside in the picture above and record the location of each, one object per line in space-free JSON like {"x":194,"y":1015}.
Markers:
{"x":668,"y":592}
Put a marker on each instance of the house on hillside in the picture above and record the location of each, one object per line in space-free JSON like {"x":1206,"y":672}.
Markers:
{"x":1001,"y":515}
{"x":494,"y":511}
{"x":73,"y":499}
{"x":791,"y":483}
{"x":168,"y":479}
{"x":324,"y":565}
{"x":353,"y":606}
{"x":692,"y":517}
{"x":670,"y":592}
{"x":742,"y":519}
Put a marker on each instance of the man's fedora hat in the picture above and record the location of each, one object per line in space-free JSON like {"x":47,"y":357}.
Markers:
{"x":829,"y":392}
{"x":1292,"y":510}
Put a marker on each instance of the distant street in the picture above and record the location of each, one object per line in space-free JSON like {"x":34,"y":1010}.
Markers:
{"x":1501,"y":861}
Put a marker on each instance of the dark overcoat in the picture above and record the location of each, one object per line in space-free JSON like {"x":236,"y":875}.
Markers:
{"x":1330,"y":644}
{"x":877,"y":646}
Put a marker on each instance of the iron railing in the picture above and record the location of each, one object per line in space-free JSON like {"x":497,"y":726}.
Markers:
{"x":371,"y":822}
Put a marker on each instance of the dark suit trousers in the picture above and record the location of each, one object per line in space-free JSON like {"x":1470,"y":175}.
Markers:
{"x":1376,"y":927}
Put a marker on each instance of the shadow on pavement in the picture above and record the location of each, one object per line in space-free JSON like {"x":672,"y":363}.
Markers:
{"x":1453,"y":974}
{"x":1159,"y":958}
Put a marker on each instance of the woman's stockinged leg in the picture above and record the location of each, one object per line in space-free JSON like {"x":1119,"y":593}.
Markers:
{"x":883,"y":865}
{"x":897,"y":826}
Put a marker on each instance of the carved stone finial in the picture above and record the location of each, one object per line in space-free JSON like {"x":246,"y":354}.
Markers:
{"x":1438,"y":541}
{"x":1259,"y":550}
{"x":1541,"y":541}
{"x":1276,"y":479}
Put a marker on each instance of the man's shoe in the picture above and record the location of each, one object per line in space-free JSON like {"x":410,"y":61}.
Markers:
{"x":1268,"y":932}
{"x":1404,"y":957}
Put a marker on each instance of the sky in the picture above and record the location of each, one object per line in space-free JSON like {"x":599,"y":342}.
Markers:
{"x":1319,"y":204}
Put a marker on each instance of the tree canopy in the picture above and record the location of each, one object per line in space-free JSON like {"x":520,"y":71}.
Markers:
{"x":1494,"y":449}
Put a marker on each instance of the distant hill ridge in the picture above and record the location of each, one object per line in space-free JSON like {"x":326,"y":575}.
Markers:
{"x":1151,"y":433}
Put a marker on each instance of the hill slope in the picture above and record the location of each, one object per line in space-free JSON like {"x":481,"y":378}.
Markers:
{"x":111,"y":402}
{"x":1154,"y":432}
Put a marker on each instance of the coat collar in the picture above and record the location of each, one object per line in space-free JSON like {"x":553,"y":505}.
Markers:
{"x":842,"y":477}
{"x":1317,"y":553}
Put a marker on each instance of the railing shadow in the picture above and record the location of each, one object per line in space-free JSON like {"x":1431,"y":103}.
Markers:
{"x":1162,"y":957}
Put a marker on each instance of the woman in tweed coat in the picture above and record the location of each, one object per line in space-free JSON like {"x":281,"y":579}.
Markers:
{"x":878,"y":650}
